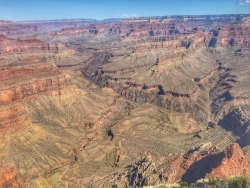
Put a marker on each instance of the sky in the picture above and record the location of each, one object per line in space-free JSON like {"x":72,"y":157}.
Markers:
{"x":18,"y":10}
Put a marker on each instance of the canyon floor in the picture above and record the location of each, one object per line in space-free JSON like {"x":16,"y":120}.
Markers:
{"x":124,"y":102}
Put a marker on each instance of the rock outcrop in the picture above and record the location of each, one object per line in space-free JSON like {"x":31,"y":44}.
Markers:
{"x":11,"y":178}
{"x":124,"y":102}
{"x":22,"y":81}
{"x":10,"y":46}
{"x":234,"y":163}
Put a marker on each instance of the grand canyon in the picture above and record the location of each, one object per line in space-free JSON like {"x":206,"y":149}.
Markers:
{"x":127,"y":102}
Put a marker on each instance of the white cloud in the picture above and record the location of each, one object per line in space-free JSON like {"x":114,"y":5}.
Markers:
{"x":125,"y":15}
{"x":244,"y":2}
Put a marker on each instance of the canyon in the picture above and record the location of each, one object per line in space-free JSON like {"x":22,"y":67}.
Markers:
{"x":124,"y":102}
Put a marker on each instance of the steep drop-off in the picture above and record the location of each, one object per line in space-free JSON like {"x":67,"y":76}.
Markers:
{"x":124,"y":102}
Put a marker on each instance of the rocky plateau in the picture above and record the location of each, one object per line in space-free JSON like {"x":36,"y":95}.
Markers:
{"x":124,"y":102}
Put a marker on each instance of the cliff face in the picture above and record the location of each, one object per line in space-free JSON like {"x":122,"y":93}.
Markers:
{"x":174,"y":32}
{"x":26,"y":28}
{"x":36,"y":97}
{"x":9,"y":46}
{"x":234,"y":163}
{"x":235,"y":36}
{"x":189,"y":167}
{"x":23,"y":81}
{"x":13,"y":117}
{"x":125,"y":102}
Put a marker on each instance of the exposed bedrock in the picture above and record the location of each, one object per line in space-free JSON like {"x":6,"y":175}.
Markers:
{"x":91,"y":69}
{"x":153,"y":94}
{"x":24,"y":28}
{"x":189,"y":167}
{"x":10,"y":46}
{"x":234,"y":163}
{"x":165,"y":100}
{"x":22,"y":81}
{"x":143,"y":93}
{"x":220,"y":93}
{"x":13,"y":117}
{"x":233,"y":118}
{"x":238,"y":123}
{"x":9,"y":177}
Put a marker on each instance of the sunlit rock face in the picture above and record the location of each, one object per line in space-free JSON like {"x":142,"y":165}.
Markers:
{"x":124,"y":102}
{"x":9,"y":46}
{"x":234,"y":163}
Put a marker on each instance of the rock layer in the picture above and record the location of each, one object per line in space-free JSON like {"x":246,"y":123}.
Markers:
{"x":234,"y":163}
{"x":9,"y":46}
{"x":124,"y":102}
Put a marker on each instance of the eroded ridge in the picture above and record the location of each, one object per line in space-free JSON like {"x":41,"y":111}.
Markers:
{"x":124,"y":102}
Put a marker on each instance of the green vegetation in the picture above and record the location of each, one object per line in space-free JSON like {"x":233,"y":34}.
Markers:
{"x":239,"y":182}
{"x":211,"y":179}
{"x":233,"y":182}
{"x":211,"y":182}
{"x":184,"y":184}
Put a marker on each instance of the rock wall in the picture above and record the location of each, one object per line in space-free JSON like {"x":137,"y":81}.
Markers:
{"x":18,"y":83}
{"x":10,"y":46}
{"x":234,"y":163}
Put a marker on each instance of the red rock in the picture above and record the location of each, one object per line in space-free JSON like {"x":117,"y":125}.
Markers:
{"x":17,"y":83}
{"x":8,"y":45}
{"x":11,"y":178}
{"x":234,"y":163}
{"x":14,"y":117}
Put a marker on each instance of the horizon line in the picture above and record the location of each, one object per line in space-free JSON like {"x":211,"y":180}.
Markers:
{"x":124,"y":18}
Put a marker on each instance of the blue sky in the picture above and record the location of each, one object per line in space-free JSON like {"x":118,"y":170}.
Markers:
{"x":102,"y":9}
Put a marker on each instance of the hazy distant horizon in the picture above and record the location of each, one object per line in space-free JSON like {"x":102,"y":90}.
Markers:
{"x":36,"y":10}
{"x":99,"y":20}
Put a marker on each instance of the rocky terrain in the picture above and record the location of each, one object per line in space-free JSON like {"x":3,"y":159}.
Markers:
{"x":124,"y":102}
